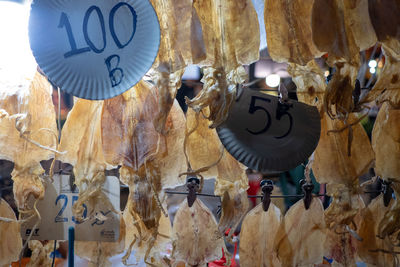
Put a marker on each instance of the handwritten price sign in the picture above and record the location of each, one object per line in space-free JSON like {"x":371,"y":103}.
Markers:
{"x":56,"y":212}
{"x":94,"y":49}
{"x":267,"y":135}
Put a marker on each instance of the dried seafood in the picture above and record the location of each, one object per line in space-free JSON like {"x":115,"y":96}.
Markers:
{"x":28,"y":134}
{"x":372,"y":249}
{"x":81,"y":138}
{"x":231,"y":184}
{"x":97,"y":253}
{"x":10,"y":237}
{"x":350,"y":30}
{"x":288,"y":27}
{"x":40,"y":253}
{"x":343,"y":218}
{"x":335,"y":145}
{"x":181,"y":45}
{"x":137,"y":236}
{"x":257,"y":237}
{"x":195,"y":236}
{"x":301,"y":236}
{"x":231,"y":37}
{"x":150,"y":160}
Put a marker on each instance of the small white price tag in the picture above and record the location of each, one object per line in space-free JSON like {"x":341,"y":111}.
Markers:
{"x":56,"y":212}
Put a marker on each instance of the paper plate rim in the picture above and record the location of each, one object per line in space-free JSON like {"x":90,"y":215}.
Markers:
{"x":101,"y":94}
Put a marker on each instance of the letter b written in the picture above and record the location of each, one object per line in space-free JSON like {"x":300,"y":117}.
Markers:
{"x":115,"y":73}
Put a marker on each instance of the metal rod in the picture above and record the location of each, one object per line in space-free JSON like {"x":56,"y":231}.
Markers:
{"x":71,"y":240}
{"x":250,"y":196}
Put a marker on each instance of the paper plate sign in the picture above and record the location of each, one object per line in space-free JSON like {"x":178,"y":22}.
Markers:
{"x":57,"y":217}
{"x":266,"y":135}
{"x":94,"y":49}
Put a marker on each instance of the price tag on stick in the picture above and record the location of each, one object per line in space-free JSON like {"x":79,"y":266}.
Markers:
{"x":56,"y":212}
{"x":267,"y":135}
{"x":94,"y":49}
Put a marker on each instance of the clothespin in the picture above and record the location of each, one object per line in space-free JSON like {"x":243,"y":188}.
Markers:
{"x":307,"y":191}
{"x":266,"y":186}
{"x":193,"y":185}
{"x":284,"y":103}
{"x":387,"y":192}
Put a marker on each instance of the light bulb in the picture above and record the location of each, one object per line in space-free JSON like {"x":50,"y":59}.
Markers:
{"x":273,"y":80}
{"x":372,"y":70}
{"x":372,"y":63}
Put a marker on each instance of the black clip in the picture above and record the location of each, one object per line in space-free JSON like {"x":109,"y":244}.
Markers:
{"x":266,"y":186}
{"x":387,"y":192}
{"x":193,"y":185}
{"x":284,"y":103}
{"x":307,"y":189}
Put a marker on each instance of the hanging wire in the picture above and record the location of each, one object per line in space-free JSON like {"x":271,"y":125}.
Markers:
{"x":260,"y":196}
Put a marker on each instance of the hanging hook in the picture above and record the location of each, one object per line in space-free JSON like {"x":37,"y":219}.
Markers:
{"x":193,"y":185}
{"x":307,"y":190}
{"x":387,"y":192}
{"x":266,"y":186}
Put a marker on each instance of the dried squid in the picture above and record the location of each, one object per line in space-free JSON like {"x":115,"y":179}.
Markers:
{"x":10,"y":237}
{"x":195,"y":236}
{"x":300,"y":238}
{"x":231,"y":37}
{"x":28,"y":135}
{"x":204,"y":149}
{"x":257,"y":237}
{"x":350,"y":30}
{"x":374,"y":250}
{"x":81,"y":138}
{"x":310,"y":83}
{"x":231,"y":184}
{"x":385,"y":19}
{"x":97,"y":253}
{"x":150,"y":160}
{"x":137,"y":236}
{"x":40,"y":253}
{"x":343,"y":218}
{"x":181,"y":44}
{"x":288,"y":27}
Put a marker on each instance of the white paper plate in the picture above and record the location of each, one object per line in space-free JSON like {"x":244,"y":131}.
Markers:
{"x":254,"y":136}
{"x":93,"y":69}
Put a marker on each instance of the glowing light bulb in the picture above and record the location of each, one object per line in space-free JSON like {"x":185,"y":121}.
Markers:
{"x":372,"y":63}
{"x":372,"y":70}
{"x":273,"y":80}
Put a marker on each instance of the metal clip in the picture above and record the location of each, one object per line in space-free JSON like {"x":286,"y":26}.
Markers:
{"x":387,"y":192}
{"x":266,"y":186}
{"x":193,"y":185}
{"x":307,"y":191}
{"x":284,"y":104}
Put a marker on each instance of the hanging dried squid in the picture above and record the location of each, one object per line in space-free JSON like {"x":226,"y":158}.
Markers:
{"x":300,"y":238}
{"x":257,"y":236}
{"x":97,"y":253}
{"x":343,"y":218}
{"x":10,"y":237}
{"x":288,"y":28}
{"x":181,"y":45}
{"x":204,"y":149}
{"x":195,"y":236}
{"x":40,"y":253}
{"x":350,"y":31}
{"x":231,"y":37}
{"x":81,"y":139}
{"x":151,"y":161}
{"x":28,"y":135}
{"x":372,"y":249}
